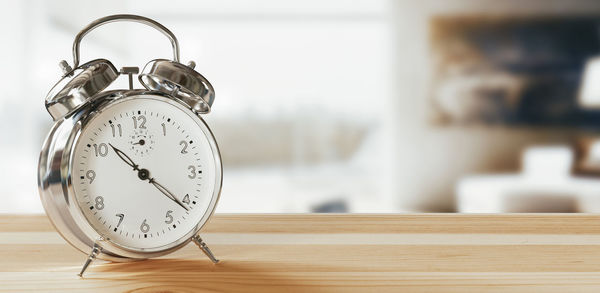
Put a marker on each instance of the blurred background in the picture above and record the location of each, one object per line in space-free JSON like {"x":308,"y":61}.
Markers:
{"x":346,"y":106}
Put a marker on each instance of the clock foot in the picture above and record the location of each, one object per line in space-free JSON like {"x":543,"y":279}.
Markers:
{"x":204,"y":248}
{"x":95,"y":251}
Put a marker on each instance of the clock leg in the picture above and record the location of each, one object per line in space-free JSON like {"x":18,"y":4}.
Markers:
{"x":95,"y":251}
{"x":204,"y":248}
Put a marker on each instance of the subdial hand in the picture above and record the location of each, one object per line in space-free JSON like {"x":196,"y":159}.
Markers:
{"x":141,"y":142}
{"x":144,"y":174}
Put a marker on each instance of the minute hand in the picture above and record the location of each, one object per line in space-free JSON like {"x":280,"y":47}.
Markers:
{"x":167,"y":192}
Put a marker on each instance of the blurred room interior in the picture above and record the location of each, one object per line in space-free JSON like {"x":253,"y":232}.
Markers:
{"x":334,"y":106}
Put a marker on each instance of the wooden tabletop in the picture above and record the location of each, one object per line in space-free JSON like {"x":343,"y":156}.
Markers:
{"x":328,"y":253}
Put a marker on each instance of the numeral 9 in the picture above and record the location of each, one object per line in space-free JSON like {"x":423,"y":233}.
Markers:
{"x":91,"y":175}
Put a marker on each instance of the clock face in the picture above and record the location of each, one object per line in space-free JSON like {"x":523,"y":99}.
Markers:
{"x":145,"y":172}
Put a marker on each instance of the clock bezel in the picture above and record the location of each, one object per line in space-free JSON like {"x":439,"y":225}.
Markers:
{"x":60,"y":201}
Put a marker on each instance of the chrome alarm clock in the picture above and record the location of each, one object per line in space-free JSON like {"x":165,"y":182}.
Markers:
{"x":132,"y":173}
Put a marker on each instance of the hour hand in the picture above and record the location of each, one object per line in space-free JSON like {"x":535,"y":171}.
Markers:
{"x":124,"y":157}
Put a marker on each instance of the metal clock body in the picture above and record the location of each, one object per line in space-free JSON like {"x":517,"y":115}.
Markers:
{"x":133,"y":173}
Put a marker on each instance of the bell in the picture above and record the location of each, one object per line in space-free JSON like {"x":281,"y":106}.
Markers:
{"x":179,"y":81}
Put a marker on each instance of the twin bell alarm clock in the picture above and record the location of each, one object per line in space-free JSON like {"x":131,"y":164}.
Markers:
{"x":131,"y":173}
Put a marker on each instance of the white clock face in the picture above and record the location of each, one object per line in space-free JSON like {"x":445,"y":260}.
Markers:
{"x":145,"y":172}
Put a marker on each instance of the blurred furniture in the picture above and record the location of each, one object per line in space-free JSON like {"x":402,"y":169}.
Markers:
{"x":552,"y":179}
{"x":514,"y":71}
{"x":545,"y":185}
{"x":587,"y":147}
{"x":329,"y":253}
{"x":589,"y":89}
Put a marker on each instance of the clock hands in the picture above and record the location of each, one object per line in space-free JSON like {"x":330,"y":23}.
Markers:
{"x":140,"y":142}
{"x":125,"y":157}
{"x":167,"y":193}
{"x":144,"y":174}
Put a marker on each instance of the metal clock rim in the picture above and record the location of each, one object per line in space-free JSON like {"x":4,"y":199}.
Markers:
{"x":112,"y":250}
{"x":165,"y":249}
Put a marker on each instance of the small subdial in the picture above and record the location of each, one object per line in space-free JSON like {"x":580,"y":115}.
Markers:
{"x":141,"y":142}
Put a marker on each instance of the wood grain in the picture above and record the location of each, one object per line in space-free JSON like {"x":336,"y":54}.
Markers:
{"x":328,"y":253}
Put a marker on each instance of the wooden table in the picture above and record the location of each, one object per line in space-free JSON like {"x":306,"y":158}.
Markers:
{"x":329,"y":253}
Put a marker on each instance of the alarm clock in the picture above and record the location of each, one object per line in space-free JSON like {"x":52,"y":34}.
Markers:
{"x":130,"y":174}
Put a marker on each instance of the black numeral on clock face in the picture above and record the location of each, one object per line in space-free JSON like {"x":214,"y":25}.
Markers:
{"x":100,"y":149}
{"x":121,"y":216}
{"x":90,"y":175}
{"x":116,"y":130}
{"x":185,"y":145}
{"x":192,"y":170}
{"x":144,"y":227}
{"x":139,"y":122}
{"x":99,"y":203}
{"x":169,"y":219}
